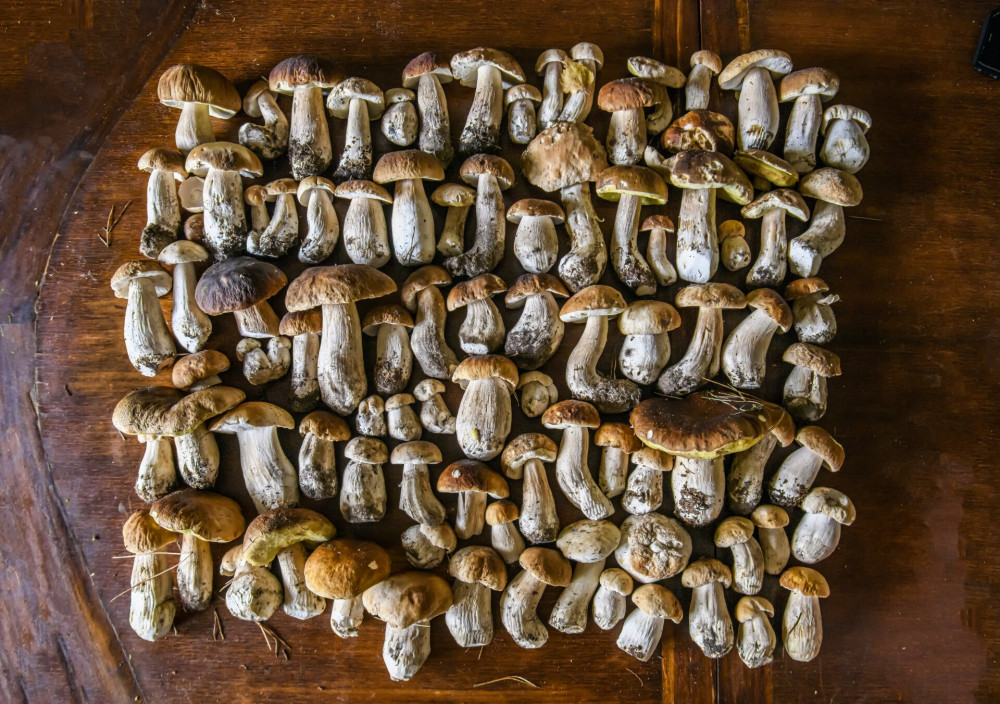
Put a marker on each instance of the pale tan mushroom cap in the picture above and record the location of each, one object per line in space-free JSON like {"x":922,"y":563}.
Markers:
{"x":655,"y":72}
{"x":274,"y":530}
{"x":629,"y":94}
{"x":833,"y":504}
{"x":733,"y":531}
{"x":501,"y":512}
{"x":658,"y":601}
{"x":253,"y":414}
{"x":651,"y":458}
{"x":773,"y":305}
{"x":313,"y":183}
{"x":617,"y":435}
{"x":465,"y":66}
{"x":416,"y":452}
{"x":486,"y":366}
{"x":705,"y":571}
{"x":583,"y":540}
{"x":453,"y":195}
{"x":207,"y":516}
{"x":366,"y":450}
{"x":617,"y":580}
{"x":658,"y":221}
{"x":593,"y":300}
{"x":301,"y":322}
{"x":846,"y":112}
{"x":349,"y":190}
{"x":750,"y":607}
{"x":532,"y":284}
{"x":388,"y":314}
{"x":193,"y":368}
{"x":547,"y":565}
{"x":487,"y":165}
{"x":479,"y":563}
{"x":442,"y":537}
{"x":731,"y":228}
{"x":142,"y":534}
{"x":550,"y":56}
{"x":832,"y":186}
{"x":535,"y":208}
{"x":337,"y":284}
{"x":708,"y":59}
{"x":571,"y":413}
{"x":163,"y":160}
{"x":424,"y":277}
{"x":524,"y":91}
{"x":784,"y":427}
{"x":182,"y":252}
{"x":398,"y":401}
{"x":587,"y":51}
{"x":805,"y":580}
{"x":140,"y":412}
{"x":345,"y":568}
{"x":251,"y":106}
{"x":223,"y":156}
{"x":281,"y":187}
{"x":648,"y":317}
{"x":338,"y":101}
{"x":196,"y":408}
{"x":407,"y":164}
{"x":483,"y":286}
{"x":428,"y":388}
{"x":800,"y":288}
{"x":143,"y":268}
{"x":697,"y":168}
{"x":472,"y":475}
{"x":529,"y":446}
{"x":817,"y":359}
{"x":407,"y":598}
{"x":303,"y":70}
{"x":191,"y":83}
{"x":562,"y":155}
{"x":767,"y":516}
{"x":325,"y":426}
{"x":778,"y":63}
{"x":822,"y":443}
{"x":534,"y":377}
{"x":711,"y":295}
{"x":809,"y":81}
{"x":630,"y":180}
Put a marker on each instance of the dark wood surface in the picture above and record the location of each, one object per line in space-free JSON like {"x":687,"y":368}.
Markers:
{"x":913,"y":614}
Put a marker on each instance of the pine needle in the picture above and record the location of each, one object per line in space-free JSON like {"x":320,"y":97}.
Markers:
{"x":132,"y":557}
{"x":280,"y":647}
{"x":217,"y":632}
{"x":113,"y":221}
{"x":162,"y":572}
{"x":633,"y":672}
{"x":514,"y":678}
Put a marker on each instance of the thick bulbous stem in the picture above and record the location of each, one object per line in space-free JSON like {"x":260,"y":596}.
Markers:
{"x":632,"y":269}
{"x":802,"y":627}
{"x":845,"y":146}
{"x":519,"y":611}
{"x":626,"y":136}
{"x":157,"y":476}
{"x":645,"y":491}
{"x":416,"y":499}
{"x":482,"y":330}
{"x":304,"y":392}
{"x":744,"y":356}
{"x":322,"y":229}
{"x":805,"y":395}
{"x":452,"y":240}
{"x":362,"y":495}
{"x":574,"y":478}
{"x":539,"y":522}
{"x":270,"y":478}
{"x":771,"y":264}
{"x":483,"y":419}
{"x":698,"y":488}
{"x":569,"y":615}
{"x":816,"y":537}
{"x":427,"y":340}
{"x":435,"y":126}
{"x":698,"y":89}
{"x":191,"y":326}
{"x":521,"y":122}
{"x":708,"y":620}
{"x":309,"y":148}
{"x":341,"y":368}
{"x":412,"y":224}
{"x":356,"y":159}
{"x":194,"y":127}
{"x":366,"y":236}
{"x":152,"y":608}
{"x":642,"y":357}
{"x":825,"y":234}
{"x":269,"y":140}
{"x":406,"y":649}
{"x":318,"y":467}
{"x":163,"y":213}
{"x":300,"y":602}
{"x":640,"y":635}
{"x":802,"y":132}
{"x":552,"y":95}
{"x":746,"y":476}
{"x":758,"y":110}
{"x":481,"y":134}
{"x":612,"y":477}
{"x":194,"y":573}
{"x":346,"y":616}
{"x":470,"y":517}
{"x":697,"y":239}
{"x":795,"y":477}
{"x":393,"y":360}
{"x":225,"y":218}
{"x":537,"y":334}
{"x":198,"y":458}
{"x":470,"y":618}
{"x":536,"y":244}
{"x":491,"y":229}
{"x":147,"y":339}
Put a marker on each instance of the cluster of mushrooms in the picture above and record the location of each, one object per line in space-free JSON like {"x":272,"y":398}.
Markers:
{"x":680,"y":421}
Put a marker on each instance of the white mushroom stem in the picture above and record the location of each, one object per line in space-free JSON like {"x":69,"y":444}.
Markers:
{"x":198,"y":457}
{"x":269,"y":140}
{"x":427,"y":341}
{"x":318,"y":467}
{"x":802,"y":132}
{"x":260,"y":367}
{"x":632,"y":269}
{"x":299,"y":602}
{"x":659,"y":119}
{"x":399,"y":123}
{"x":393,"y":359}
{"x":482,"y":126}
{"x":539,"y":522}
{"x":366,"y":236}
{"x":346,"y":616}
{"x":552,"y":95}
{"x":147,"y":338}
{"x":470,"y":617}
{"x":259,"y":217}
{"x":152,"y":608}
{"x":770,"y":267}
{"x":269,"y":476}
{"x":412,"y":223}
{"x":744,"y":356}
{"x":341,"y":368}
{"x":470,"y":516}
{"x":804,"y":395}
{"x":586,"y":383}
{"x":157,"y":476}
{"x":491,"y":229}
{"x":452,"y":241}
{"x":642,"y":357}
{"x":746,"y":476}
{"x":416,"y":499}
{"x":584,"y":264}
{"x":698,"y":488}
{"x":484,"y":417}
{"x":521,"y":123}
{"x":370,"y":419}
{"x":225,"y":217}
{"x":774,"y":544}
{"x":645,"y":491}
{"x":815,"y":321}
{"x":656,"y":255}
{"x":163,"y":213}
{"x":281,"y":233}
{"x":748,"y":567}
{"x":825,"y":234}
{"x":613,"y":475}
{"x":536,"y":243}
{"x":815,"y":538}
{"x":758,"y":110}
{"x":305,"y":368}
{"x":569,"y":615}
{"x":507,"y":541}
{"x":608,"y":608}
{"x":482,"y":330}
{"x":845,"y":146}
{"x":254,"y":593}
{"x":626,"y":136}
{"x":356,"y":159}
{"x":322,"y":228}
{"x":697,"y":240}
{"x":309,"y":148}
{"x":755,"y":640}
{"x":708,"y":621}
{"x":194,"y":573}
{"x":420,"y":551}
{"x":573,"y":474}
{"x":406,"y":649}
{"x":579,"y":103}
{"x":194,"y":127}
{"x":535,"y":337}
{"x":701,"y":359}
{"x":519,"y":611}
{"x":435,"y":127}
{"x":698,"y":89}
{"x":191,"y":326}
{"x":795,"y":477}
{"x":259,"y":320}
{"x":802,"y":627}
{"x":640,"y":634}
{"x":436,"y":417}
{"x":362,"y":494}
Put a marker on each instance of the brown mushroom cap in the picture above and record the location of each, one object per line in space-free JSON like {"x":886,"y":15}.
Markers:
{"x":593,"y":300}
{"x":536,"y":377}
{"x":822,"y":443}
{"x":349,"y":190}
{"x":310,"y":184}
{"x":535,"y":208}
{"x":763,"y":163}
{"x":697,"y":168}
{"x":425,"y":276}
{"x":809,"y":81}
{"x":629,"y":94}
{"x":618,"y":436}
{"x":767,"y":516}
{"x":705,"y":571}
{"x":731,"y":228}
{"x":196,"y":408}
{"x":345,"y":568}
{"x":800,"y":288}
{"x":407,"y":164}
{"x":416,"y":452}
{"x":191,"y":83}
{"x":699,"y":129}
{"x":550,"y":56}
{"x":658,"y":601}
{"x":501,"y":512}
{"x":658,"y":221}
{"x":251,"y":106}
{"x":733,"y":531}
{"x":528,"y":446}
{"x":453,"y":195}
{"x":407,"y":598}
{"x":587,"y":51}
{"x":779,"y":199}
{"x":366,"y":450}
{"x":302,"y":70}
{"x":337,"y":284}
{"x":325,"y":426}
{"x":651,"y":458}
{"x":819,"y":360}
{"x":388,"y":314}
{"x":571,"y":413}
{"x":639,"y":181}
{"x":547,"y":565}
{"x":805,"y":580}
{"x":142,"y":534}
{"x":207,"y":516}
{"x":708,"y":59}
{"x":832,"y":186}
{"x":192,"y":368}
{"x":194,"y":226}
{"x":486,"y":366}
{"x":483,"y":286}
{"x":487,"y":165}
{"x":425,"y":63}
{"x":338,"y":101}
{"x":144,"y":268}
{"x":301,"y":322}
{"x":479,"y":563}
{"x":238,"y":283}
{"x":223,"y":156}
{"x":656,"y":72}
{"x":253,"y":414}
{"x":141,"y":411}
{"x":710,"y":296}
{"x":525,"y":91}
{"x":784,"y":428}
{"x":163,"y":160}
{"x":472,"y":475}
{"x":773,"y":305}
{"x":778,"y":63}
{"x":562,"y":155}
{"x":750,"y":607}
{"x":465,"y":66}
{"x":532,"y":284}
{"x":274,"y":530}
{"x":648,"y":317}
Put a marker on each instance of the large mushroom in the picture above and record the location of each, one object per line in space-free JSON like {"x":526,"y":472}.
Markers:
{"x":525,"y":456}
{"x":147,"y":339}
{"x":491,"y":71}
{"x":457,"y":199}
{"x":190,"y":325}
{"x":802,"y":623}
{"x":825,"y":510}
{"x":199,"y":370}
{"x":575,"y":419}
{"x":163,"y":209}
{"x":366,"y":237}
{"x":708,"y":618}
{"x":482,"y":330}
{"x":550,"y":65}
{"x":750,"y":74}
{"x":362,"y":493}
{"x":588,"y":544}
{"x":536,"y":244}
{"x":657,"y":73}
{"x":755,"y":641}
{"x":844,"y":144}
{"x":698,"y":92}
{"x":795,"y":476}
{"x":304,"y":327}
{"x":658,"y":227}
{"x":342,"y":570}
{"x":393,"y":357}
{"x":642,"y":630}
{"x":416,"y":499}
{"x":772,"y":207}
{"x":435,"y":417}
{"x":745,"y":482}
{"x":815,"y":321}
{"x":646,"y":348}
{"x":270,"y":140}
{"x":833,"y":190}
{"x":618,"y":443}
{"x":491,"y":175}
{"x":412,"y":219}
{"x":241,"y":286}
{"x":151,"y":609}
{"x":804,"y":395}
{"x":809,"y":88}
{"x":644,"y":492}
{"x":472,"y":481}
{"x":580,"y":101}
{"x":421,"y":295}
{"x":201,"y":93}
{"x":359,"y":101}
{"x":519,"y":604}
{"x":736,"y":533}
{"x":320,"y":432}
{"x":653,"y":547}
{"x":539,"y":331}
{"x":399,"y":121}
{"x":744,"y":355}
{"x":477,"y":569}
{"x":625,"y":99}
{"x":426,"y":73}
{"x":322,"y":225}
{"x":484,"y":414}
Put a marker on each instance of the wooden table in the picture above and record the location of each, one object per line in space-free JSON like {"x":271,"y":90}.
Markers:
{"x":914,"y":611}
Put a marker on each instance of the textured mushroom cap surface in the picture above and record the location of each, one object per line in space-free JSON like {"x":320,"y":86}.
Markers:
{"x":407,"y":598}
{"x":337,"y":284}
{"x":628,"y":93}
{"x":705,"y":571}
{"x":274,"y":530}
{"x":618,"y":436}
{"x":472,"y":475}
{"x":767,"y":516}
{"x":399,"y":95}
{"x":367,"y":450}
{"x":416,"y":451}
{"x":325,"y":426}
{"x":697,"y":168}
{"x":302,"y":70}
{"x":207,"y":516}
{"x":141,"y":411}
{"x":486,"y":366}
{"x":535,"y":208}
{"x":648,"y":317}
{"x":313,"y":183}
{"x":571,"y":413}
{"x":822,"y":443}
{"x":547,"y":565}
{"x":142,"y":534}
{"x":465,"y":66}
{"x":562,"y":155}
{"x":818,"y":359}
{"x":708,"y":59}
{"x":749,"y":607}
{"x":407,"y":164}
{"x":398,"y":401}
{"x":345,"y":568}
{"x":388,"y":314}
{"x":784,"y":427}
{"x":805,"y":580}
{"x":143,"y":268}
{"x":191,"y":83}
{"x":587,"y":51}
{"x":362,"y":189}
{"x":301,"y":322}
{"x":483,"y":286}
{"x":425,"y":276}
{"x":833,"y":504}
{"x":653,"y":547}
{"x":428,"y":388}
{"x":760,"y":162}
{"x":338,"y":101}
{"x":236,"y":284}
{"x":846,"y":112}
{"x":658,"y":221}
{"x":588,"y":540}
{"x":281,"y":187}
{"x":531,"y":284}
{"x":776,"y":62}
{"x":617,"y":580}
{"x":593,"y":300}
{"x":487,"y":165}
{"x":253,"y":414}
{"x":656,"y":71}
{"x":710,"y":296}
{"x":800,"y":288}
{"x":733,"y":531}
{"x":809,"y":81}
{"x":536,"y":377}
{"x":182,"y":252}
{"x":658,"y":601}
{"x":528,"y":446}
{"x":773,"y":305}
{"x":479,"y":563}
{"x":428,"y":62}
{"x":700,"y":129}
{"x":157,"y":159}
{"x":196,"y":408}
{"x":833,"y":186}
{"x":196,"y":367}
{"x":651,"y":458}
{"x":501,"y":512}
{"x":550,"y":56}
{"x":630,"y":180}
{"x":223,"y":156}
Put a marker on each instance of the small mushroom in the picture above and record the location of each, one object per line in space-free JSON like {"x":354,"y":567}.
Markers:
{"x":194,"y":227}
{"x":539,"y":331}
{"x":254,"y":593}
{"x":393,"y":357}
{"x":201,"y":93}
{"x":575,"y":418}
{"x":619,"y":442}
{"x":190,"y":325}
{"x":625,"y":99}
{"x":147,"y":339}
{"x":282,"y":231}
{"x":550,"y":66}
{"x":163,"y":209}
{"x":472,"y":481}
{"x":746,"y":473}
{"x":416,"y":499}
{"x":811,"y":299}
{"x":804,"y":395}
{"x":795,"y":476}
{"x":578,"y":105}
{"x":644,"y":492}
{"x":370,"y":420}
{"x":844,"y":144}
{"x":305,"y":78}
{"x":304,"y":328}
{"x":434,"y":414}
{"x":643,"y":628}
{"x":608,"y":607}
{"x":241,"y":286}
{"x":766,"y":169}
{"x":191,"y":195}
{"x":322,"y":224}
{"x":736,"y":533}
{"x":772,"y":206}
{"x":588,"y":543}
{"x":399,"y":121}
{"x":708,"y":618}
{"x":426,"y":73}
{"x":519,"y":603}
{"x":482,"y":331}
{"x":151,"y":588}
{"x":484,"y":414}
{"x":520,"y":101}
{"x":744,"y":354}
{"x":342,"y":570}
{"x":500,"y":517}
{"x":818,"y":533}
{"x":657,"y":73}
{"x":490,"y":71}
{"x":755,"y":640}
{"x":771,"y":522}
{"x":140,"y":413}
{"x":646,"y":348}
{"x":490,"y":175}
{"x":536,"y":244}
{"x":359,"y":101}
{"x":653,"y":547}
{"x":270,"y":140}
{"x":833,"y":190}
{"x":457,"y":199}
{"x":704,"y":65}
{"x":412,"y":219}
{"x":750,"y":74}
{"x":260,"y":367}
{"x":538,"y":392}
{"x":421,"y":294}
{"x":426,"y":546}
{"x":658,"y":227}
{"x":733,"y":247}
{"x":320,"y":432}
{"x":477,"y":569}
{"x":802,"y":623}
{"x":199,"y":370}
{"x":809,"y":88}
{"x":362,"y":493}
{"x":524,"y":457}
{"x":696,"y":129}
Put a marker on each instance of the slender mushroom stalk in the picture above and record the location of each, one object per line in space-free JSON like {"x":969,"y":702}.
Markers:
{"x":772,"y":206}
{"x":818,"y":533}
{"x":805,"y":395}
{"x":190,"y":325}
{"x":809,"y":88}
{"x":362,"y":492}
{"x":477,"y":569}
{"x":201,"y":93}
{"x":736,"y":533}
{"x":744,"y":355}
{"x":698,"y":92}
{"x":270,"y":140}
{"x":341,"y":570}
{"x":755,"y":640}
{"x":260,"y":367}
{"x":399,"y":121}
{"x":575,"y":418}
{"x":519,"y":603}
{"x":653,"y":547}
{"x":434,"y":414}
{"x":588,"y":543}
{"x":256,"y":197}
{"x":304,"y":328}
{"x":524,"y":457}
{"x":815,"y":321}
{"x":658,"y":227}
{"x":416,"y":499}
{"x":646,"y":349}
{"x":536,"y":244}
{"x":643,"y":628}
{"x":644,"y":492}
{"x":538,"y":332}
{"x":147,"y":339}
{"x":845,"y":146}
{"x":254,"y":593}
{"x":660,"y":74}
{"x":305,"y":78}
{"x":483,"y":330}
{"x":833,"y":190}
{"x":318,"y":456}
{"x":802,"y":623}
{"x":426,"y":73}
{"x":625,"y":99}
{"x":163,"y":209}
{"x":796,"y":475}
{"x":538,"y":392}
{"x":472,"y":481}
{"x":733,"y":247}
{"x":771,"y":522}
{"x":746,"y":473}
{"x":457,"y":199}
{"x":393,"y":358}
{"x":322,"y":225}
{"x":708,"y":618}
{"x":490,"y":175}
{"x":550,"y":66}
{"x":520,"y":101}
{"x":579,"y":104}
{"x":500,"y":517}
{"x":427,"y":546}
{"x":699,"y":487}
{"x":151,"y":609}
{"x":490,"y":71}
{"x":412,"y":219}
{"x":359,"y":101}
{"x":750,"y":74}
{"x":484,"y":415}
{"x":242,"y":286}
{"x":619,"y":442}
{"x":609,"y":601}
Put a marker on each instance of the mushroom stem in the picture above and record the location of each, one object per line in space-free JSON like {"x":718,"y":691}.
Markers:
{"x":795,"y":477}
{"x":701,"y":359}
{"x":259,"y":321}
{"x":152,"y":608}
{"x":491,"y":229}
{"x":482,"y":330}
{"x":569,"y":615}
{"x":412,"y":223}
{"x":198,"y":457}
{"x":802,"y":132}
{"x":746,"y":476}
{"x":366,"y":237}
{"x":802,"y":627}
{"x":537,"y":334}
{"x":584,"y":264}
{"x":774,"y":544}
{"x":436,"y":358}
{"x":416,"y":499}
{"x":573,"y":472}
{"x":521,"y":121}
{"x":452,"y":241}
{"x":406,"y":649}
{"x":640,"y":634}
{"x":470,"y":516}
{"x":269,"y":140}
{"x":323,"y":229}
{"x":341,"y":368}
{"x":435,"y":127}
{"x":536,"y":243}
{"x":698,"y":488}
{"x":346,"y":616}
{"x":225,"y":217}
{"x":481,"y":133}
{"x":194,"y":573}
{"x":697,"y":240}
{"x":643,"y":357}
{"x":804,"y":395}
{"x":645,"y":491}
{"x":656,"y":255}
{"x":770,"y":267}
{"x":815,"y":538}
{"x":356,"y":159}
{"x":194,"y":127}
{"x":507,"y":541}
{"x":269,"y":476}
{"x":483,"y":420}
{"x":362,"y":495}
{"x":436,"y":417}
{"x":708,"y":621}
{"x":470,"y":617}
{"x":552,"y":95}
{"x":519,"y":611}
{"x":318,"y":467}
{"x":299,"y":602}
{"x":586,"y":383}
{"x":157,"y":476}
{"x":755,"y":641}
{"x":163,"y":213}
{"x":608,"y":608}
{"x":579,"y":103}
{"x":815,"y":321}
{"x":254,"y":593}
{"x":698,"y":89}
{"x":393,"y":359}
{"x":304,"y":393}
{"x":758,"y":110}
{"x":613,"y":474}
{"x":539,"y":522}
{"x":748,"y":567}
{"x":281,"y":233}
{"x":825,"y":234}
{"x":744,"y":356}
{"x":191,"y":326}
{"x":628,"y":261}
{"x":147,"y":338}
{"x":626,"y":136}
{"x":309,"y":148}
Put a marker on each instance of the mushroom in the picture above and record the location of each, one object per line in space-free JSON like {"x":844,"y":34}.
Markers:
{"x":370,"y":420}
{"x":341,"y":369}
{"x":538,"y":392}
{"x":833,"y":190}
{"x":457,"y":199}
{"x":416,"y":499}
{"x":619,"y":442}
{"x":200,"y":517}
{"x":484,"y":415}
{"x":818,"y":533}
{"x":140,"y":413}
{"x":426,"y":546}
{"x":260,"y":367}
{"x":342,"y":570}
{"x":701,"y":173}
{"x":588,"y":543}
{"x":241,"y":286}
{"x":490,"y":71}
{"x":362,"y":493}
{"x":197,"y":451}
{"x":625,"y":99}
{"x":608,"y":607}
{"x":147,"y":339}
{"x":844,"y":143}
{"x":704,"y":65}
{"x":190,"y":193}
{"x":520,"y":101}
{"x":550,"y":66}
{"x":482,"y":331}
{"x":194,"y":227}
{"x":190,"y":325}
{"x":703,"y":356}
{"x":320,"y":432}
{"x":256,"y":197}
{"x":304,"y":328}
{"x":282,"y":232}
{"x":393,"y":360}
{"x":658,"y":227}
{"x":524,"y":457}
{"x":536,"y":244}
{"x":519,"y":604}
{"x":538,"y":332}
{"x":578,"y":105}
{"x":151,"y":587}
{"x":736,"y":533}
{"x":733,"y":245}
{"x":646,"y":348}
{"x":426,"y":73}
{"x":565,"y":158}
{"x":644,"y":493}
{"x":407,"y":601}
{"x":472,"y":481}
{"x":811,"y":299}
{"x":199,"y":370}
{"x":796,"y":475}
{"x":254,"y":593}
{"x":695,"y":129}
{"x":359,"y":101}
{"x":804,"y":395}
{"x":224,"y":165}
{"x":270,"y":478}
{"x":643,"y":628}
{"x":575,"y":418}
{"x":744,"y":355}
{"x":771,"y":522}
{"x":500,"y":517}
{"x":769,"y":269}
{"x":412,"y":219}
{"x":477,"y":569}
{"x":708,"y":619}
{"x":653,"y":547}
{"x":746,"y":473}
{"x":596,"y":304}
{"x":322,"y":226}
{"x":755,"y":640}
{"x":305,"y":78}
{"x":809,"y":88}
{"x":490,"y":175}
{"x":434,"y":414}
{"x":766,"y":169}
{"x":657,"y":73}
{"x":270,"y":140}
{"x":201,"y":93}
{"x":802,"y":623}
{"x":399,"y":121}
{"x":366,"y":236}
{"x":163,"y":209}
{"x":750,"y":74}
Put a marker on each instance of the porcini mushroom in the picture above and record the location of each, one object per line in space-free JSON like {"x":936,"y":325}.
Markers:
{"x":151,"y":608}
{"x":536,"y":244}
{"x":241,"y":286}
{"x":518,"y":606}
{"x":270,"y":140}
{"x":643,"y":628}
{"x":538,"y":392}
{"x":772,"y":206}
{"x":260,"y":367}
{"x":550,"y":66}
{"x":457,"y":199}
{"x":490,"y":71}
{"x":736,"y":533}
{"x":163,"y":209}
{"x":482,"y":331}
{"x":472,"y":481}
{"x":362,"y":492}
{"x":434,"y":414}
{"x":370,"y":419}
{"x":342,"y":570}
{"x":416,"y":499}
{"x":804,"y":395}
{"x":578,"y":105}
{"x":254,"y":593}
{"x":696,"y":129}
{"x":490,"y":175}
{"x":766,"y":169}
{"x":658,"y":227}
{"x":704,"y":65}
{"x":653,"y":547}
{"x":818,"y":533}
{"x":750,"y":74}
{"x":484,"y":414}
{"x":833,"y":190}
{"x":733,"y":247}
{"x":412,"y":220}
{"x":744,"y":354}
{"x":256,"y":197}
{"x":304,"y":328}
{"x":190,"y":193}
{"x":366,"y":237}
{"x":322,"y":225}
{"x":844,"y":144}
{"x":795,"y":476}
{"x":426,"y":546}
{"x":698,"y":485}
{"x":575,"y":418}
{"x":477,"y":569}
{"x":500,"y":517}
{"x":359,"y":101}
{"x":524,"y":457}
{"x":539,"y":331}
{"x":608,"y":607}
{"x":147,"y":340}
{"x":393,"y":357}
{"x":320,"y":432}
{"x":426,"y":73}
{"x":625,"y":99}
{"x":520,"y":101}
{"x":755,"y":640}
{"x":201,"y":93}
{"x":746,"y":473}
{"x":140,"y":413}
{"x":771,"y":522}
{"x":811,"y":299}
{"x":588,"y":543}
{"x":190,"y":325}
{"x":708,"y":618}
{"x":657,"y":73}
{"x":619,"y":442}
{"x":399,"y":121}
{"x":809,"y":88}
{"x":802,"y":623}
{"x":199,"y":370}
{"x":646,"y":348}
{"x":282,"y":232}
{"x":644,"y":492}
{"x":306,"y":78}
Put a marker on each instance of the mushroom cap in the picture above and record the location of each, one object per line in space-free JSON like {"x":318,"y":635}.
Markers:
{"x":713,"y":295}
{"x":832,"y":186}
{"x":479,"y":563}
{"x":425,"y":276}
{"x":472,"y":475}
{"x":547,"y":565}
{"x":255,"y":195}
{"x":592,"y":300}
{"x":731,"y":228}
{"x":708,"y":59}
{"x":800,"y":288}
{"x":487,"y":165}
{"x":655,"y":72}
{"x":531,"y":285}
{"x":587,"y":51}
{"x":833,"y":504}
{"x":535,"y":377}
{"x":569,"y":414}
{"x":281,"y":187}
{"x":767,"y":516}
{"x":784,"y":428}
{"x":501,"y":512}
{"x":771,"y":302}
{"x":141,"y":411}
{"x":562,"y":155}
{"x":483,"y":286}
{"x":301,"y":322}
{"x":618,"y":436}
{"x":651,"y":458}
{"x":237,"y":283}
{"x":310,"y":184}
{"x":822,"y":443}
{"x":163,"y":160}
{"x":629,"y":93}
{"x":142,"y":534}
{"x":425,"y":63}
{"x":231,"y":560}
{"x":253,"y":414}
{"x":639,"y":181}
{"x":338,"y":100}
{"x":648,"y":317}
{"x":846,"y":112}
{"x":550,"y":56}
{"x":302,"y":70}
{"x":733,"y":531}
{"x":407,"y":164}
{"x":658,"y":221}
{"x":198,"y":407}
{"x":453,"y":195}
{"x":442,"y":537}
{"x":407,"y":598}
{"x":750,"y":607}
{"x":697,"y":168}
{"x":809,"y":81}
{"x":207,"y":516}
{"x":399,"y":95}
{"x":194,"y":226}
{"x":766,"y":165}
{"x":658,"y":601}
{"x":528,"y":446}
{"x":653,"y":547}
{"x":182,"y":252}
{"x":345,"y":568}
{"x":250,"y":103}
{"x":819,"y":360}
{"x":388,"y":314}
{"x":191,"y":83}
{"x":362,"y":189}
{"x":616,"y":580}
{"x":223,"y":156}
{"x":778,"y":63}
{"x":192,"y":368}
{"x":523,"y":91}
{"x":325,"y":426}
{"x":699,"y":129}
{"x":280,"y":528}
{"x":372,"y":403}
{"x":338,"y":284}
{"x":588,"y":541}
{"x":416,"y":451}
{"x":366,"y":450}
{"x":536,"y":208}
{"x":486,"y":366}
{"x":805,"y":580}
{"x":705,"y":571}
{"x":428,"y":388}
{"x":705,"y":424}
{"x":465,"y":66}
{"x":143,"y":268}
